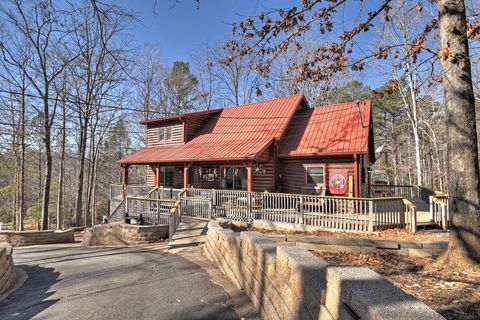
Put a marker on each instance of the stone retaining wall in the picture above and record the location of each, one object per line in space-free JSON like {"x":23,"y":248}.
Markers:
{"x":121,"y":234}
{"x":416,"y":249}
{"x":289,"y":282}
{"x":7,"y":268}
{"x":28,"y":238}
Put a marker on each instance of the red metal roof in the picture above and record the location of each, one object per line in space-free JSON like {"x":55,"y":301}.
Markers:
{"x":235,"y":133}
{"x":337,"y":129}
{"x":179,"y":117}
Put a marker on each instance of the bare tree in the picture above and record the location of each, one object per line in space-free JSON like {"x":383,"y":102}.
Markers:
{"x":39,"y":22}
{"x":274,"y":31}
{"x":231,"y":81}
{"x":462,"y":147}
{"x":149,"y":76}
{"x":100,"y":63}
{"x":204,"y":67}
{"x":17,"y":81}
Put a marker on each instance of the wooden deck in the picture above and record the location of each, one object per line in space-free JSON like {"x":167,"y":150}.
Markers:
{"x":334,"y":213}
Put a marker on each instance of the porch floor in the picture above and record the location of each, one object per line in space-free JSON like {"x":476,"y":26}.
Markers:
{"x":190,"y":231}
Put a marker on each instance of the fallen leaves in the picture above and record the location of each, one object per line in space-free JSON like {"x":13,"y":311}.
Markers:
{"x":454,"y":294}
{"x":390,"y":234}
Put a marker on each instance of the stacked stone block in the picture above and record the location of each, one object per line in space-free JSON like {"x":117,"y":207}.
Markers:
{"x":28,"y":238}
{"x":122,"y":234}
{"x":7,"y":268}
{"x":289,"y":282}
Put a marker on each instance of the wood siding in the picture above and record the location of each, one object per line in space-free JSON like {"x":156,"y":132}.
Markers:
{"x":364,"y":167}
{"x":150,"y":175}
{"x":153,"y":133}
{"x":293,"y":171}
{"x":264,"y":178}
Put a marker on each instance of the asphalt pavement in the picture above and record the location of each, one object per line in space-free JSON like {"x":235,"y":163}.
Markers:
{"x":74,"y":282}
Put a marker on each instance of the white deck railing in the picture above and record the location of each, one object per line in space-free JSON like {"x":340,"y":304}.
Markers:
{"x":153,"y":211}
{"x":387,"y":190}
{"x":338,"y":213}
{"x":164,"y":193}
{"x":439,"y":210}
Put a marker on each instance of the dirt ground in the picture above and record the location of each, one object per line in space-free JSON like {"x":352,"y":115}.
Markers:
{"x":391,"y":234}
{"x":455,"y":295}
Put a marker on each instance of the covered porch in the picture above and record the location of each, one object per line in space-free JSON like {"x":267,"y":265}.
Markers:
{"x":233,"y":175}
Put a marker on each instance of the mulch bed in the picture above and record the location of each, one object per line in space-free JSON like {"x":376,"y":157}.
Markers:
{"x":455,"y":295}
{"x":390,"y":234}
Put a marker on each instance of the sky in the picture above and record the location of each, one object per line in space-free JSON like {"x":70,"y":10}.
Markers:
{"x":180,"y":27}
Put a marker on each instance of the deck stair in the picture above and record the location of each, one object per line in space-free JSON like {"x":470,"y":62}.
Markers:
{"x":116,"y":194}
{"x":423,"y":216}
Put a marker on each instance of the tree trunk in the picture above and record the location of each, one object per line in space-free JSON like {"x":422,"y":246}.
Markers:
{"x":414,"y":118}
{"x":61,"y":170}
{"x":22,"y":205}
{"x":16,"y":173}
{"x":47,"y":181}
{"x":81,"y":169}
{"x":40,"y":185}
{"x":93,"y":207}
{"x":90,"y":177}
{"x":462,"y":148}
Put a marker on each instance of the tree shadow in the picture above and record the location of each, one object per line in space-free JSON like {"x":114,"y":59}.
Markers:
{"x":32,"y":297}
{"x":464,"y":310}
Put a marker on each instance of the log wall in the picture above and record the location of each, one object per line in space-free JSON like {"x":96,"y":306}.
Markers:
{"x":293,"y":171}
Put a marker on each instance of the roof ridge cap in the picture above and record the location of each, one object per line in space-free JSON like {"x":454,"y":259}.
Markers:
{"x":343,"y":103}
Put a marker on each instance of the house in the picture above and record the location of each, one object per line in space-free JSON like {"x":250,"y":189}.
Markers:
{"x":278,"y":145}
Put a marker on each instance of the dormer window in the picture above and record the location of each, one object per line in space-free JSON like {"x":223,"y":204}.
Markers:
{"x":162,"y":134}
{"x":168,"y":133}
{"x":165,"y":134}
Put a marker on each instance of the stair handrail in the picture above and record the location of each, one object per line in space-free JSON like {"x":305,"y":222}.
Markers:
{"x":412,"y":214}
{"x":175,"y":215}
{"x":149,"y":195}
{"x":439,"y":211}
{"x":121,"y":205}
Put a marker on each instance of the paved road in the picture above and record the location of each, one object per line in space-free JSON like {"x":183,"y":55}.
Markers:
{"x":72,"y":282}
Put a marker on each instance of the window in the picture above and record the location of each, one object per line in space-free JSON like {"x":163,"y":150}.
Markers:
{"x":165,"y":134}
{"x":234,"y":178}
{"x":166,"y":176}
{"x":168,"y":133}
{"x":315,"y":174}
{"x":162,"y":134}
{"x":203,"y":176}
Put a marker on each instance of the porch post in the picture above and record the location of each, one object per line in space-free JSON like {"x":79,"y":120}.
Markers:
{"x":157,"y":176}
{"x":186,"y":175}
{"x":249,"y":177}
{"x":125,"y":179}
{"x":356,"y":184}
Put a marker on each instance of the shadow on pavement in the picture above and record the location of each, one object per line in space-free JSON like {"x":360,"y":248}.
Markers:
{"x":32,"y":297}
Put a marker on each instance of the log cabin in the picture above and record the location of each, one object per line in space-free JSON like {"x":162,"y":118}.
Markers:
{"x":278,"y":145}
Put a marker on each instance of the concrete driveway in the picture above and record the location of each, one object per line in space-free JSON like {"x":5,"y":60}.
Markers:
{"x":73,"y":282}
